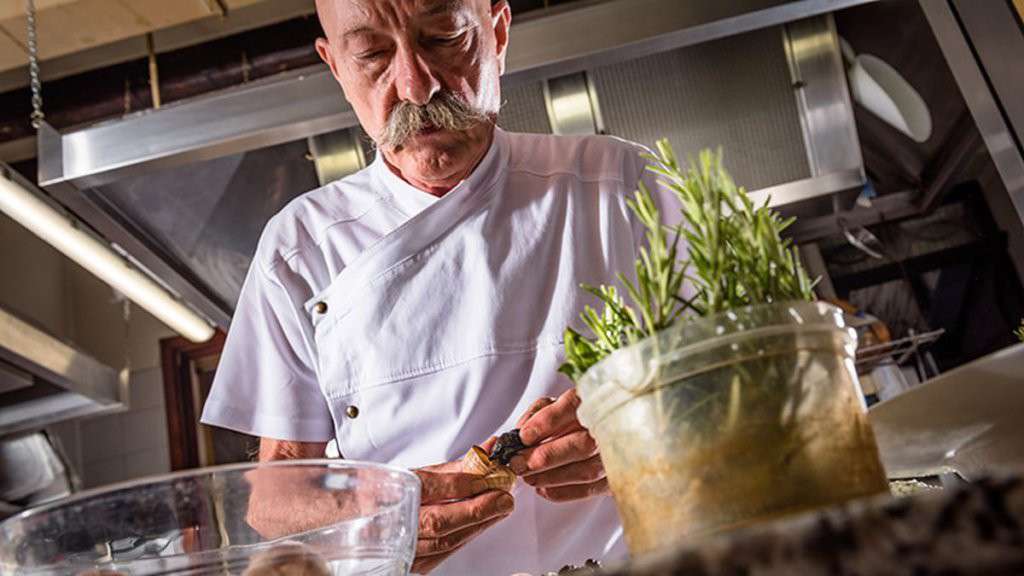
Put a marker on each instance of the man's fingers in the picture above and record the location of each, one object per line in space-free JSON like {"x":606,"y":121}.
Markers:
{"x":452,"y":542}
{"x":489,"y":444}
{"x":551,"y":420}
{"x":534,"y":408}
{"x":442,"y":486}
{"x":439,"y":520}
{"x":432,"y":550}
{"x":574,"y":491}
{"x":585,"y":472}
{"x":573,"y":447}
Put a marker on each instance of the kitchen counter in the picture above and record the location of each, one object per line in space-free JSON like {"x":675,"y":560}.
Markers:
{"x":977,"y":528}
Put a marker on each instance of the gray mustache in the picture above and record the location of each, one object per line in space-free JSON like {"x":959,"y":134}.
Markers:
{"x":445,"y":111}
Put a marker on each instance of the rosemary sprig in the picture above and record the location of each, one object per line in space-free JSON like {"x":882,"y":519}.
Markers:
{"x":737,"y":257}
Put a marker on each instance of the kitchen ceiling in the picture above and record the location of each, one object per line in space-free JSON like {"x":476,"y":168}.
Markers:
{"x":69,"y":26}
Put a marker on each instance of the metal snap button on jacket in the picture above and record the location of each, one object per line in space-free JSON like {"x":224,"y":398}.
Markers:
{"x":320,"y":307}
{"x":352,"y":411}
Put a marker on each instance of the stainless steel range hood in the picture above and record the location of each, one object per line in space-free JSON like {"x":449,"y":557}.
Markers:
{"x":44,"y":380}
{"x":103,"y":172}
{"x":308,"y":102}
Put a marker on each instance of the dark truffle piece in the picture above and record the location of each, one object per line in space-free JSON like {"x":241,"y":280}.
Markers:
{"x":507,"y":446}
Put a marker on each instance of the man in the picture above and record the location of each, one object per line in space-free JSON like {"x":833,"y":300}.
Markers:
{"x":416,"y":308}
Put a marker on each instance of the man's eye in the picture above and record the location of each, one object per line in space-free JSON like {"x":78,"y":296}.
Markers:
{"x":447,"y":40}
{"x":371,"y":55}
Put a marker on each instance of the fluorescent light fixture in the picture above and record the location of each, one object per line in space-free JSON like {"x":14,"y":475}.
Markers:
{"x":60,"y":231}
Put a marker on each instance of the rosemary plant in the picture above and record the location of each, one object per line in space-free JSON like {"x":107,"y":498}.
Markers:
{"x":1020,"y":331}
{"x":736,"y":258}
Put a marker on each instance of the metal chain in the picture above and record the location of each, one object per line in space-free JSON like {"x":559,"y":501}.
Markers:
{"x":33,"y":66}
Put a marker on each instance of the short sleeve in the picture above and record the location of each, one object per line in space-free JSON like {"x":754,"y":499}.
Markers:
{"x":266,"y":382}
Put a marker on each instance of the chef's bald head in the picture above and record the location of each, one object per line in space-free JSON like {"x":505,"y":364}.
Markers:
{"x":327,"y":10}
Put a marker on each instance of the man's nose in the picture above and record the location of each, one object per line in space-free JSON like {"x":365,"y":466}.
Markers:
{"x":415,"y":81}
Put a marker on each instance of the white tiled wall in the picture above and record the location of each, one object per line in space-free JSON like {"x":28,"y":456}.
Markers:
{"x":122,"y":446}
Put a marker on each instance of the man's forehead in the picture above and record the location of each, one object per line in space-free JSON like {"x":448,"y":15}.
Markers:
{"x":368,"y":8}
{"x":347,"y":16}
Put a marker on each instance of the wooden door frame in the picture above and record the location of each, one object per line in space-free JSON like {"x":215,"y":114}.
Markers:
{"x":178,"y":357}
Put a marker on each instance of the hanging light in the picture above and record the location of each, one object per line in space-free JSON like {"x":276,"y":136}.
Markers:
{"x":67,"y":236}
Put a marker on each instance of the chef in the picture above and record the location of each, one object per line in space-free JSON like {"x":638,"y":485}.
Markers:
{"x":416,"y":307}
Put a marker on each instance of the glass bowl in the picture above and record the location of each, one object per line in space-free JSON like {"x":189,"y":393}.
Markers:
{"x":308,"y":517}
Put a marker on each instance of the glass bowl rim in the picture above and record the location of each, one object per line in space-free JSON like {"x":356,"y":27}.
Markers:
{"x":326,"y":463}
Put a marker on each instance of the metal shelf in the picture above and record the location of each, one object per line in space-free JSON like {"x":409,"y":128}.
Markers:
{"x":897,"y":351}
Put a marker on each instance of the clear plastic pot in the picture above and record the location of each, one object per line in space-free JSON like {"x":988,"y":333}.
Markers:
{"x":311,"y":517}
{"x":727,"y":420}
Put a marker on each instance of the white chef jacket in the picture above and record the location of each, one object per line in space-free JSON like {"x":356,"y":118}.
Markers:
{"x":436,"y":322}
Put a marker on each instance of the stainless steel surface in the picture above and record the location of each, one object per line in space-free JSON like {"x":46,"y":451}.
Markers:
{"x":572,"y":105}
{"x":31,"y":472}
{"x":605,"y":33}
{"x":888,"y":208}
{"x":523,"y":108}
{"x":225,"y":201}
{"x":336,"y":154}
{"x":996,"y":34}
{"x":703,"y":97}
{"x":143,"y":251}
{"x":303,"y":104}
{"x":74,"y":382}
{"x":810,"y":188}
{"x":984,"y":105}
{"x":894,"y":352}
{"x":37,"y":413}
{"x":823,"y":99}
{"x":257,"y":115}
{"x":966,"y":420}
{"x":79,"y":167}
{"x":12,"y":378}
{"x":139,"y":250}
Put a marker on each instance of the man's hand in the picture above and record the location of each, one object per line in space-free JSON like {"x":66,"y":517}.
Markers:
{"x":562,"y":461}
{"x":454,"y":508}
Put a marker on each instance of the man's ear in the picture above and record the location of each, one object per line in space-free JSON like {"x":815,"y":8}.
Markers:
{"x":501,"y":18}
{"x":323,"y":48}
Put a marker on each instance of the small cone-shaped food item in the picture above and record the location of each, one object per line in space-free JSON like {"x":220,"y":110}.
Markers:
{"x":497,"y":477}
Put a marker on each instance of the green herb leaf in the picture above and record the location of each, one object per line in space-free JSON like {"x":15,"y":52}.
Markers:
{"x":737,"y":258}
